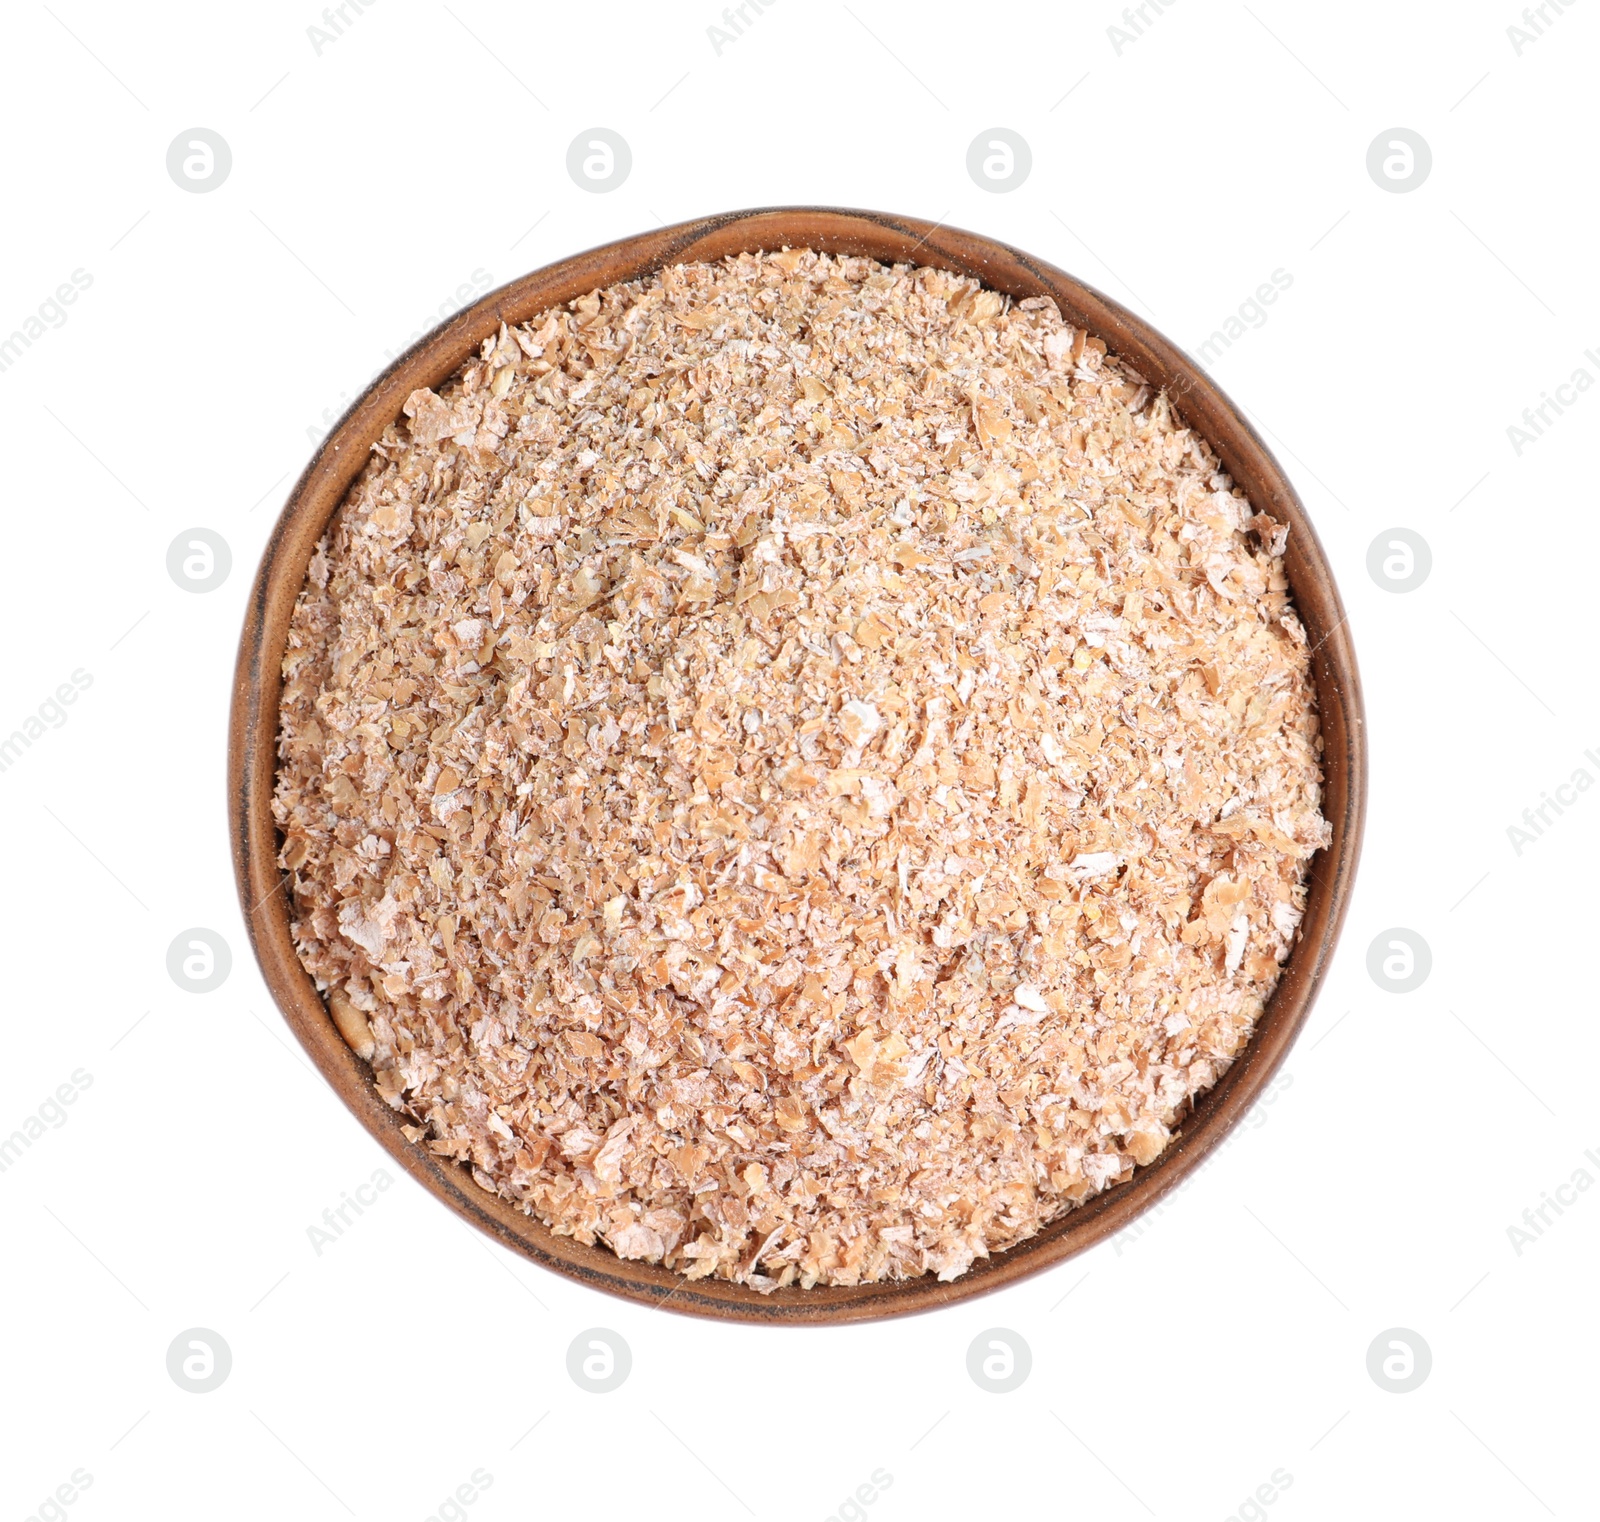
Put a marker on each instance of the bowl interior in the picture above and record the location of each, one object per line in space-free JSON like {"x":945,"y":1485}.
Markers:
{"x":1203,"y":407}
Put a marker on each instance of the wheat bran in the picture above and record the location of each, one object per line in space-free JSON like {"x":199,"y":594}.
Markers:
{"x":796,"y":769}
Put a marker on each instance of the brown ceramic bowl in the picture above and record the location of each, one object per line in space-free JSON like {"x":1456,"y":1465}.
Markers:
{"x":254,"y":722}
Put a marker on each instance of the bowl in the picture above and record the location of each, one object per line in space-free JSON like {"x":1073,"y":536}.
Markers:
{"x":253,"y":725}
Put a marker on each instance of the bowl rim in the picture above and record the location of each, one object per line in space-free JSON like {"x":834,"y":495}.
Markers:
{"x":317,"y":494}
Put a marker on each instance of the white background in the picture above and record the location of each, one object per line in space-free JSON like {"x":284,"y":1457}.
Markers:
{"x":1173,"y":1372}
